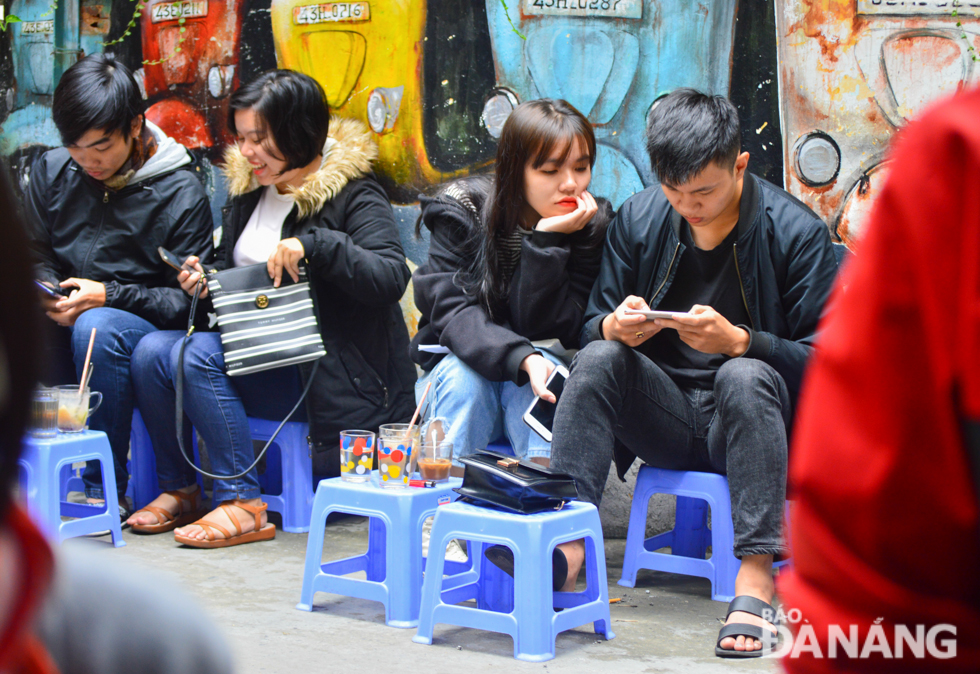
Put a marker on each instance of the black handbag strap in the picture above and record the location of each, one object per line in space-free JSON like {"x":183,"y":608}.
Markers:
{"x":179,"y":386}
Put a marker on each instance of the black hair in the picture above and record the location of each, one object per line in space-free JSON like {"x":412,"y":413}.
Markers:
{"x":19,"y":337}
{"x":687,"y":130}
{"x":531,"y":133}
{"x":293,"y":109}
{"x":98,"y":92}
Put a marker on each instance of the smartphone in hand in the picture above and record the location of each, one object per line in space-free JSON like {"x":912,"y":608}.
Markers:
{"x":540,"y":415}
{"x":650,"y":315}
{"x":57,"y":292}
{"x":172,"y":260}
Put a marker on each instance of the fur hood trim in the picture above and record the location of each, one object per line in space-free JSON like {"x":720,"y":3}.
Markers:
{"x":347,"y":155}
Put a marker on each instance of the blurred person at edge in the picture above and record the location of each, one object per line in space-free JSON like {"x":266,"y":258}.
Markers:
{"x":48,"y":621}
{"x":100,"y":206}
{"x":884,"y":529}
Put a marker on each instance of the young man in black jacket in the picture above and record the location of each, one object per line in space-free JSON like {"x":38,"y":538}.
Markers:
{"x":99,"y":207}
{"x":748,"y":268}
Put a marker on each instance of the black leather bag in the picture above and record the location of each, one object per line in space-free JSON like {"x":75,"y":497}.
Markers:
{"x":502,"y":481}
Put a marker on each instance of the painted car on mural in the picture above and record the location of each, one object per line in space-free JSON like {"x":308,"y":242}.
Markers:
{"x":382,"y":61}
{"x":39,"y":56}
{"x":851,"y":74}
{"x":611,"y":59}
{"x":188,"y":90}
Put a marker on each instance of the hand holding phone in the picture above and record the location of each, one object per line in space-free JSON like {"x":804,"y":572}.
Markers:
{"x":540,"y":415}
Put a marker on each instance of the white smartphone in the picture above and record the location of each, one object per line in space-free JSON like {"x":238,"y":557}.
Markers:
{"x":650,"y":315}
{"x":540,"y":414}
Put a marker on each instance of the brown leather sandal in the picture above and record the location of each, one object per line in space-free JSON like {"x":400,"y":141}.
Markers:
{"x":266,"y":533}
{"x":168,"y":521}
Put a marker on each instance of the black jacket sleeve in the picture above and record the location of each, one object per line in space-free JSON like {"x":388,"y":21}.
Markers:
{"x":191,"y":233}
{"x":462,"y":325}
{"x":811,"y":268}
{"x":46,"y":263}
{"x":616,"y":279}
{"x":551,"y":286}
{"x":365,"y":260}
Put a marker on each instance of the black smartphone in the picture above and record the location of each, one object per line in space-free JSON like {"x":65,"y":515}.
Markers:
{"x":171,"y":259}
{"x":540,"y":415}
{"x":56,"y":292}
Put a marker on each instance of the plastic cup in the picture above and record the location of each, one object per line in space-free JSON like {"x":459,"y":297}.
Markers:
{"x":435,"y":460}
{"x":356,"y":455}
{"x":395,"y":454}
{"x":44,"y":413}
{"x":73,"y":407}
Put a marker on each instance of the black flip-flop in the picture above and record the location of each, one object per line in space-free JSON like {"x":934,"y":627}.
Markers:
{"x":503,"y":559}
{"x":756,"y":607}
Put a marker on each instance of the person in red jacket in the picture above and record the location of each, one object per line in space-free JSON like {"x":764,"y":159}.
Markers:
{"x":884,"y":531}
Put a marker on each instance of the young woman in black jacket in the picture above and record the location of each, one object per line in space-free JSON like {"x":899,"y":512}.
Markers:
{"x":512,"y":259}
{"x":301,"y":188}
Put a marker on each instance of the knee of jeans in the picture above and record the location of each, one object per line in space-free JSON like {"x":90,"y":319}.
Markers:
{"x":602,"y":358}
{"x":744,"y":375}
{"x":93,"y":318}
{"x":150,"y":351}
{"x":461,"y":378}
{"x":196,"y":355}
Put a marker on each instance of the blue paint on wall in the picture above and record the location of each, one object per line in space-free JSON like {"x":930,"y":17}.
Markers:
{"x":613,"y":68}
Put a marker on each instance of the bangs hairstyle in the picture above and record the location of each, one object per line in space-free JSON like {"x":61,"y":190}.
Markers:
{"x":687,"y":130}
{"x":99,"y":93}
{"x":532,"y":132}
{"x":292,"y":109}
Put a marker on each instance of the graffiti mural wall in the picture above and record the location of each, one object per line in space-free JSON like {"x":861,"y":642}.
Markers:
{"x":852,"y":73}
{"x":435,"y":79}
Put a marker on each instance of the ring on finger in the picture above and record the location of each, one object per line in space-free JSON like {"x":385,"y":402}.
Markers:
{"x":639,"y":334}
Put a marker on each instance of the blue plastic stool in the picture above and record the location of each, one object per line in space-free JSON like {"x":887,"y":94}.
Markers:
{"x":393,"y":561}
{"x":143,"y":483}
{"x":144,"y":486}
{"x":295,"y":500}
{"x":43,"y":460}
{"x":533,"y":622}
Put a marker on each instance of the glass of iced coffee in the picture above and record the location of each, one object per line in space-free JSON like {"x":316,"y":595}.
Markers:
{"x":435,"y":460}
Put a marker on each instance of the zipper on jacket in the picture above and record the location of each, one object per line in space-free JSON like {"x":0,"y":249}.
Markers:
{"x":741,"y":287}
{"x":98,"y":235}
{"x":667,"y":275}
{"x":105,"y":197}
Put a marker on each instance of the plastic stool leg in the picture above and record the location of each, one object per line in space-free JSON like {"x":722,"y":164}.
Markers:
{"x":636,"y":531}
{"x":297,"y":478}
{"x":314,"y":549}
{"x":690,"y":523}
{"x":143,"y":483}
{"x":112,"y":500}
{"x":533,"y":598}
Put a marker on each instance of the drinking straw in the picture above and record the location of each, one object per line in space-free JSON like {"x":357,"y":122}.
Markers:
{"x":88,"y":358}
{"x":408,"y":433}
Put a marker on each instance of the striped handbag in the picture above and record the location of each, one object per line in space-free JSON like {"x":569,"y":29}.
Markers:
{"x":262,"y":328}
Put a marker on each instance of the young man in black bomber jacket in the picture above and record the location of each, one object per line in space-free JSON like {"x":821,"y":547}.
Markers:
{"x":712,"y":389}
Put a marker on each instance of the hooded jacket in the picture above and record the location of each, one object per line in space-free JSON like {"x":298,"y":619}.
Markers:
{"x":547,"y":296}
{"x":82,"y":229}
{"x":358,"y":272}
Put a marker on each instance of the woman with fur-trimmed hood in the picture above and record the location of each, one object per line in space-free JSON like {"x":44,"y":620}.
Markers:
{"x":298,"y":193}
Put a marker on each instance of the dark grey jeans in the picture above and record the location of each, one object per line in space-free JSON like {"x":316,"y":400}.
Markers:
{"x":739,"y":429}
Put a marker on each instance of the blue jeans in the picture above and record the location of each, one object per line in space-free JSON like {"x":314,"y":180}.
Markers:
{"x":475,"y":411}
{"x":117,"y":334}
{"x":217,"y":405}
